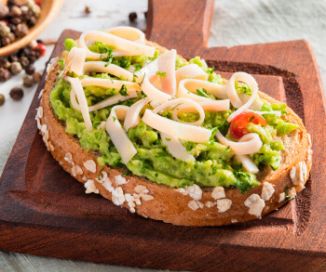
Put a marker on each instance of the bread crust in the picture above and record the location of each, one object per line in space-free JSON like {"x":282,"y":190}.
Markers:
{"x":190,"y":207}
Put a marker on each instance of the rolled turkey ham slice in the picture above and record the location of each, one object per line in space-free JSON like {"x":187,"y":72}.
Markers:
{"x":247,"y":163}
{"x":122,"y":46}
{"x":110,"y":83}
{"x":177,"y":130}
{"x":180,"y":104}
{"x":176,"y":148}
{"x":166,"y":65}
{"x":132,"y":117}
{"x":190,"y":71}
{"x":112,"y":101}
{"x":76,"y":60}
{"x":233,"y":94}
{"x":117,"y":134}
{"x":189,"y":87}
{"x":215,"y":105}
{"x":77,"y":89}
{"x":248,"y":144}
{"x":103,"y":104}
{"x":155,"y":95}
{"x":104,"y":67}
{"x":164,"y":86}
{"x":128,"y":33}
{"x":132,"y":89}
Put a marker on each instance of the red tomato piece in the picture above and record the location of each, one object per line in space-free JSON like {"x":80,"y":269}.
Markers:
{"x":239,"y":124}
{"x":42,"y":48}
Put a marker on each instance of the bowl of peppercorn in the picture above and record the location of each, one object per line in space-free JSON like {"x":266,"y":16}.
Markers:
{"x":21,"y":21}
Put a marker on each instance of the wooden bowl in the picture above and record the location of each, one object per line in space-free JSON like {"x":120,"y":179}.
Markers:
{"x":49,"y":9}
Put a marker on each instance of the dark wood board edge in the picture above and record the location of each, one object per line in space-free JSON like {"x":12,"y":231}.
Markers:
{"x":122,"y":251}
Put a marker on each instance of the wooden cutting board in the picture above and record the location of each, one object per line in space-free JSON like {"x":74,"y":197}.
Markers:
{"x":43,"y":211}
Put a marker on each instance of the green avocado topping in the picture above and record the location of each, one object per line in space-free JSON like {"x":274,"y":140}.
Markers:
{"x":214,"y":163}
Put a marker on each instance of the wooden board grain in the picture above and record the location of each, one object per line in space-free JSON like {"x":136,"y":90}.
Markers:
{"x":43,"y":211}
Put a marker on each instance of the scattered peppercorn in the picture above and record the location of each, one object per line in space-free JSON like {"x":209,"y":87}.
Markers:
{"x":37,"y":76}
{"x":28,"y":81}
{"x":29,"y":70}
{"x":4,"y":74}
{"x":2,"y":99}
{"x":16,"y":93}
{"x":15,"y":68}
{"x":87,"y":10}
{"x":132,"y":17}
{"x":15,"y":11}
{"x":21,"y":30}
{"x":17,"y":16}
{"x":4,"y":10}
{"x":23,"y":59}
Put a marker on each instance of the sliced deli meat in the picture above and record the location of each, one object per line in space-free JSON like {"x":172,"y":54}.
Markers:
{"x":118,"y":135}
{"x":123,"y":46}
{"x":77,"y":89}
{"x":182,"y":104}
{"x":178,"y":130}
{"x":190,"y":71}
{"x":104,"y":67}
{"x":176,"y":148}
{"x":128,"y":33}
{"x":76,"y":60}
{"x":132,"y":117}
{"x":234,"y":97}
{"x":248,"y":144}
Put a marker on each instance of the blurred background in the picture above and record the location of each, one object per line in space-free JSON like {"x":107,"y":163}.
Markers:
{"x":235,"y":22}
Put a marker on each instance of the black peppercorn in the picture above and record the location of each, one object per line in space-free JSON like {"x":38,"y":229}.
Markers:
{"x":21,"y":30}
{"x":24,"y":9}
{"x":15,"y":21}
{"x":24,"y":61}
{"x":5,"y":41}
{"x":15,"y":68}
{"x":37,"y":77}
{"x":16,"y":93}
{"x":4,"y":29}
{"x":132,"y":17}
{"x":87,"y":10}
{"x":28,"y":81}
{"x":31,"y":21}
{"x":13,"y":58}
{"x":4,"y":74}
{"x":6,"y":64}
{"x":15,"y":11}
{"x":4,"y":11}
{"x":30,"y":69}
{"x":2,"y":99}
{"x":3,"y":61}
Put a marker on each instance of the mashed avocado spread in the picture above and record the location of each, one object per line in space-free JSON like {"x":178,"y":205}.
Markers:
{"x":214,"y":163}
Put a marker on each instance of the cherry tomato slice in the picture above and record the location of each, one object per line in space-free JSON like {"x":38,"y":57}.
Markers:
{"x":239,"y":124}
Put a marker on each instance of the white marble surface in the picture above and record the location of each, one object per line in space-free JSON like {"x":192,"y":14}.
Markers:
{"x":235,"y":22}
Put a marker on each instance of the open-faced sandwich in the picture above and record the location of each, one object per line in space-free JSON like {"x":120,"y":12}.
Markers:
{"x":169,"y":138}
